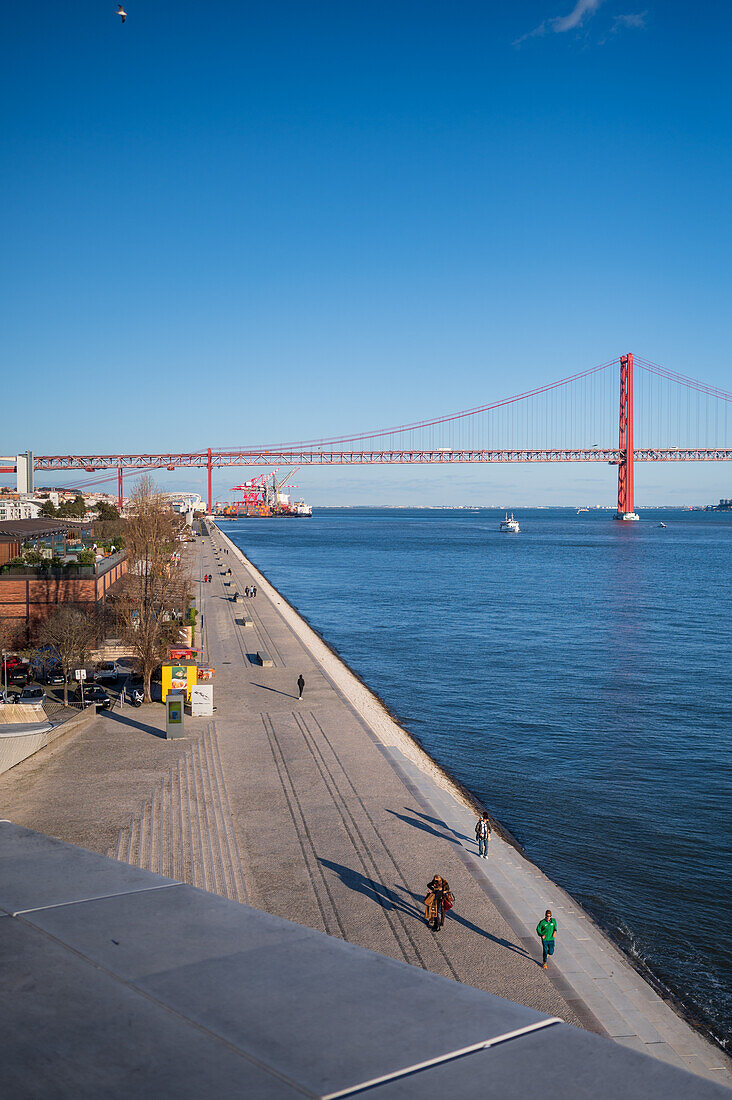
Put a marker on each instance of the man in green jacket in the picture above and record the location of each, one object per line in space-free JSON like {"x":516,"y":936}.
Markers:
{"x":546,"y":930}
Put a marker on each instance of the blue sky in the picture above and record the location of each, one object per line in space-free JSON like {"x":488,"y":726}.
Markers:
{"x":225,"y":222}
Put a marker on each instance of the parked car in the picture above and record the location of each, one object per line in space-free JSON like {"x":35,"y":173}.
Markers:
{"x":6,"y":697}
{"x":107,"y":673}
{"x":32,"y":695}
{"x":53,"y":676}
{"x":12,"y":662}
{"x":95,"y":696}
{"x":18,"y":675}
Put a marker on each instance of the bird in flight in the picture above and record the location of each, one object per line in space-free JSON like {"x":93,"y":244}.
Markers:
{"x":121,"y":12}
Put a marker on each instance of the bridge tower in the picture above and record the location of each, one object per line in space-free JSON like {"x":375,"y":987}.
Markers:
{"x":626,"y":506}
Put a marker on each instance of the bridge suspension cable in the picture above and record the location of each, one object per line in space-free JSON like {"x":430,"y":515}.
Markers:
{"x":664,"y":416}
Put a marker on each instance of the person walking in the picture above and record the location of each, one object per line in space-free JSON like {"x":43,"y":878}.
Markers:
{"x":546,"y":930}
{"x":439,"y":898}
{"x":483,"y":835}
{"x":300,"y":685}
{"x":254,"y":590}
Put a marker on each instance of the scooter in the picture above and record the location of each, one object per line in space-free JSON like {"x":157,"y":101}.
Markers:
{"x":136,"y":697}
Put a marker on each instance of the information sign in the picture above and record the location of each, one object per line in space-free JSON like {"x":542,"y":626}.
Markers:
{"x":174,"y":703}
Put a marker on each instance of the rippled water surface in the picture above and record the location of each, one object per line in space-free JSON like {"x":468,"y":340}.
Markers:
{"x":576,"y":677}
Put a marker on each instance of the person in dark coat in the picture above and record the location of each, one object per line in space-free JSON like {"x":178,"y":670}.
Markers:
{"x":483,"y":835}
{"x":300,"y":685}
{"x":438,"y":892}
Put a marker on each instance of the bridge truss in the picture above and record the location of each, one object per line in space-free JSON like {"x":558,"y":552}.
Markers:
{"x":672,"y":407}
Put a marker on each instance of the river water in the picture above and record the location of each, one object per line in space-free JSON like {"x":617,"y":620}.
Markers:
{"x":576,"y":677}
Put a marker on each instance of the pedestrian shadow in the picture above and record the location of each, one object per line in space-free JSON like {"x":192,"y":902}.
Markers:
{"x":455,"y":916}
{"x":437,"y":821}
{"x":376,"y":891}
{"x":266,"y":687}
{"x":424,"y":825}
{"x":393,"y":901}
{"x":115,"y":716}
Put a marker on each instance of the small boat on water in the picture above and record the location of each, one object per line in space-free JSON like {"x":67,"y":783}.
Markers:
{"x":582,"y":510}
{"x":509,"y":525}
{"x":662,"y":524}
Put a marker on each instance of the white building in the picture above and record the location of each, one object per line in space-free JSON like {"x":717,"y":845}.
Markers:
{"x":14,"y":508}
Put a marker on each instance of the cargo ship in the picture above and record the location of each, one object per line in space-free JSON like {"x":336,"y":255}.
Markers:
{"x":263,"y":497}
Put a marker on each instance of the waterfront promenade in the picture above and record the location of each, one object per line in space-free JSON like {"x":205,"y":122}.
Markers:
{"x":322,"y":811}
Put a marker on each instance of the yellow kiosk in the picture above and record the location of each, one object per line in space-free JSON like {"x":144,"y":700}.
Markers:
{"x":179,"y":676}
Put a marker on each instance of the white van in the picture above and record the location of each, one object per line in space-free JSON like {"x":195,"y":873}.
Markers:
{"x":107,"y":673}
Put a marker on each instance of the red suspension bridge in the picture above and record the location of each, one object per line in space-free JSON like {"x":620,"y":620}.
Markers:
{"x":663,"y":417}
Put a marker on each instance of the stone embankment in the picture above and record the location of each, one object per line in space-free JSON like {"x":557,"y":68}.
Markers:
{"x":324,"y":811}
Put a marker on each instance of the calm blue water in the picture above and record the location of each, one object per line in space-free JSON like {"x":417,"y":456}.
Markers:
{"x":576,"y":677}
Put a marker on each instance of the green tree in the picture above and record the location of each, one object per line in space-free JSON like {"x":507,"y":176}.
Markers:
{"x":48,"y":509}
{"x":75,"y":508}
{"x":106,"y":511}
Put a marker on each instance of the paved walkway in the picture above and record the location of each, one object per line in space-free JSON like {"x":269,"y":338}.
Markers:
{"x":298,"y":808}
{"x":342,"y":833}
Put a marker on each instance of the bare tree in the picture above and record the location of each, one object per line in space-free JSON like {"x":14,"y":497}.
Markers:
{"x":12,"y":633}
{"x":71,"y":633}
{"x":156,"y":586}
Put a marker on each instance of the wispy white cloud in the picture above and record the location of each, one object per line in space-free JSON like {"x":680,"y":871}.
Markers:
{"x":633,"y":21}
{"x":581,"y":10}
{"x":580,"y":13}
{"x":559,"y":24}
{"x":636,"y":20}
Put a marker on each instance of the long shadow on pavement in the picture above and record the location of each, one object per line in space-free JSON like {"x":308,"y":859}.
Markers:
{"x":390,"y":900}
{"x":376,"y":891}
{"x":427,"y":828}
{"x":438,"y":821}
{"x":454,"y":916}
{"x":266,"y":687}
{"x":115,"y":716}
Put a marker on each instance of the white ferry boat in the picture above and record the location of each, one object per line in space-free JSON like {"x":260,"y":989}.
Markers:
{"x":510,"y":525}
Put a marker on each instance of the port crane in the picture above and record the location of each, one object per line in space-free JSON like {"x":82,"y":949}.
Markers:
{"x":261,"y":496}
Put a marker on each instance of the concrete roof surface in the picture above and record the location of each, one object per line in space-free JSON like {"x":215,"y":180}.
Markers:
{"x":120,"y":982}
{"x":28,"y":528}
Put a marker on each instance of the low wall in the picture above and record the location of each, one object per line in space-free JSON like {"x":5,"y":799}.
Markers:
{"x":19,"y":744}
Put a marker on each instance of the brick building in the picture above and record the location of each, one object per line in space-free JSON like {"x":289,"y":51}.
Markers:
{"x":28,"y":594}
